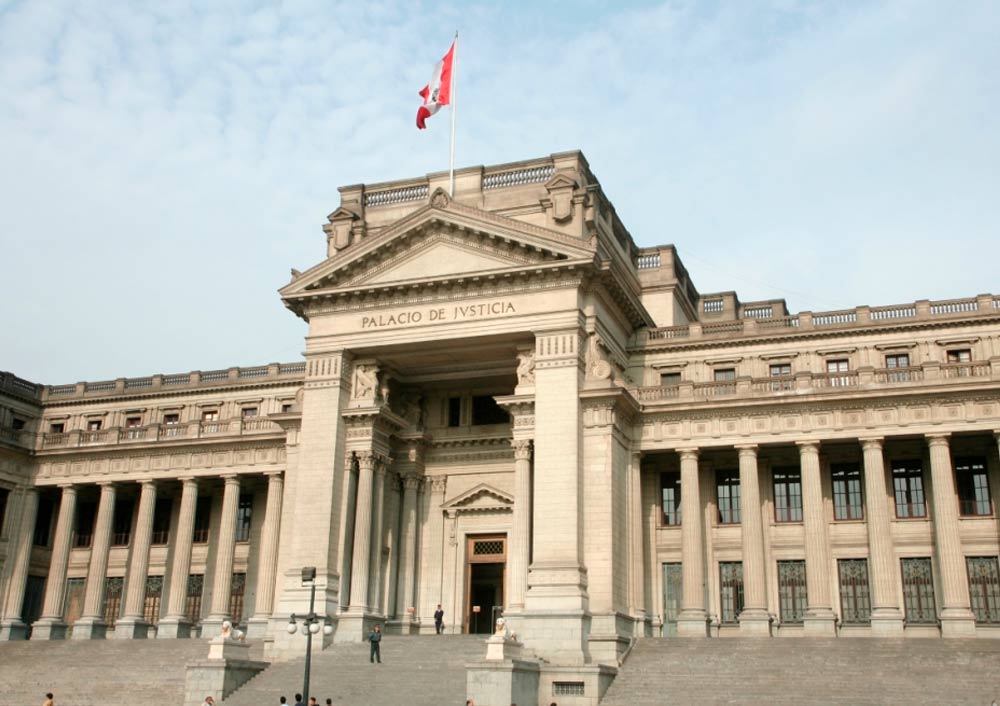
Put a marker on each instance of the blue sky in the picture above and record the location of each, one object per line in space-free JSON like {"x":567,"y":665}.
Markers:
{"x":165,"y":164}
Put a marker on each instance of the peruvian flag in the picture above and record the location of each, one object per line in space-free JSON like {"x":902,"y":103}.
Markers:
{"x":438,"y":91}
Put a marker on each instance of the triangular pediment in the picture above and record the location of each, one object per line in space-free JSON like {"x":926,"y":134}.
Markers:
{"x":481,"y":498}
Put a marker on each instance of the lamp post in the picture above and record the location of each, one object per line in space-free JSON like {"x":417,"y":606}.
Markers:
{"x":310,"y":625}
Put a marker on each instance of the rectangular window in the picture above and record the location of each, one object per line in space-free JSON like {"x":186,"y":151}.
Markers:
{"x":172,"y":422}
{"x":454,"y":411}
{"x":171,"y":418}
{"x":57,"y":428}
{"x":897,"y":365}
{"x":286,"y":408}
{"x":727,"y":487}
{"x":958,"y":363}
{"x":202,"y":520}
{"x":855,"y":601}
{"x":151,"y":604}
{"x":93,"y":425}
{"x":132,"y":427}
{"x":192,"y":604}
{"x":670,"y":493}
{"x":161,"y":520}
{"x":17,"y":424}
{"x":248,"y":412}
{"x":973,"y":487}
{"x":918,"y":591}
{"x":908,"y":486}
{"x":840,"y":365}
{"x":670,"y":379}
{"x":210,"y":415}
{"x":83,"y":535}
{"x":960,"y":355}
{"x":113,"y":586}
{"x":122,"y":524}
{"x":236,"y":598}
{"x":243,"y":518}
{"x":787,"y":495}
{"x":792,"y":591}
{"x":43,"y":521}
{"x":782,"y":374}
{"x":485,"y":410}
{"x":984,"y":588}
{"x":731,"y":591}
{"x":848,"y":503}
{"x":726,"y":376}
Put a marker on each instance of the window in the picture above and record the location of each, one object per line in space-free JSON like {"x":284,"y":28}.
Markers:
{"x":787,"y":495}
{"x":151,"y":604}
{"x":172,"y":418}
{"x":132,"y":427}
{"x":202,"y":520}
{"x":43,"y":522}
{"x":236,"y":594}
{"x":248,"y":412}
{"x":731,"y":591}
{"x":908,"y":486}
{"x":57,"y":428}
{"x":973,"y":486}
{"x":122,"y":525}
{"x":792,"y":591}
{"x":161,"y":520}
{"x":838,"y":366}
{"x":670,"y":379}
{"x":893,"y":363}
{"x":243,"y":518}
{"x":783,"y":371}
{"x":454,"y":411}
{"x":172,"y":423}
{"x":286,"y":408}
{"x":984,"y":588}
{"x":17,"y":424}
{"x":670,"y":491}
{"x":4,"y":494}
{"x":485,"y":410}
{"x":847,"y":500}
{"x":83,"y":534}
{"x":210,"y":415}
{"x":855,"y":602}
{"x":727,"y":376}
{"x":113,"y":586}
{"x":956,"y":358}
{"x":727,"y":486}
{"x":961,"y":355}
{"x":93,"y":425}
{"x":192,"y":604}
{"x":918,"y":591}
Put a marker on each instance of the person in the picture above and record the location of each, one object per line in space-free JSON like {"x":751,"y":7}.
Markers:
{"x":49,"y":700}
{"x":329,"y":702}
{"x":438,"y":620}
{"x":375,"y":638}
{"x":209,"y":701}
{"x":313,"y":701}
{"x":298,"y":700}
{"x":282,"y":701}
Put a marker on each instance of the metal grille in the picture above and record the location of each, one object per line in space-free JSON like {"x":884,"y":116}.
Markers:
{"x":731,"y":590}
{"x":792,"y":590}
{"x":113,"y":586}
{"x":192,"y":603}
{"x":73,"y":606}
{"x":236,"y":597}
{"x":493,"y":546}
{"x":855,"y":601}
{"x":672,"y":588}
{"x":151,"y":604}
{"x":918,"y":591}
{"x":984,"y":588}
{"x":567,"y":688}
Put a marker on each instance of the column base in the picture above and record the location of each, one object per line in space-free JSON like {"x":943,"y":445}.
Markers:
{"x":354,"y":626}
{"x":257,"y":627}
{"x":887,"y":622}
{"x":556,"y":587}
{"x":692,"y":623}
{"x":755,"y":623}
{"x":48,"y":629}
{"x":131,"y":629}
{"x":11,"y":630}
{"x":89,"y":629}
{"x":557,"y":636}
{"x":958,"y":622}
{"x":820,"y":622}
{"x":173,"y":628}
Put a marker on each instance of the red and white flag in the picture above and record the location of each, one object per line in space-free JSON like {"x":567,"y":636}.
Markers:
{"x":438,"y":91}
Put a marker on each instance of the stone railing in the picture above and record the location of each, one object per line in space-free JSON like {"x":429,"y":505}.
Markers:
{"x":400,"y":194}
{"x":157,"y":432}
{"x":17,"y":437}
{"x":19,"y":386}
{"x":517,"y":177}
{"x":928,"y":374}
{"x":923,"y":310}
{"x":275,"y":372}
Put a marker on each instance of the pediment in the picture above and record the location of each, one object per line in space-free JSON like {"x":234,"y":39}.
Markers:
{"x":481,"y":498}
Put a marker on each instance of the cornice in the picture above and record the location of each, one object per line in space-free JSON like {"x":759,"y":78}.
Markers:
{"x":210,"y":388}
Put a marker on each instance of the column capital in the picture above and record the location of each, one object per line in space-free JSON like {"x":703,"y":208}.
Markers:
{"x":231,"y":478}
{"x":747,"y":450}
{"x":67,"y":487}
{"x":104,"y":483}
{"x":188,"y":479}
{"x":938,"y":438}
{"x":522,"y":449}
{"x":146,"y":482}
{"x":808,"y":445}
{"x":410,"y":482}
{"x":872,"y":442}
{"x":689,"y":453}
{"x":273,"y":474}
{"x":438,"y":484}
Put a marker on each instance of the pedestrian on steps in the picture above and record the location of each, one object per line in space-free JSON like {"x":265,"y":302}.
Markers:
{"x":49,"y":700}
{"x":438,"y":620}
{"x":375,"y":638}
{"x":298,"y":700}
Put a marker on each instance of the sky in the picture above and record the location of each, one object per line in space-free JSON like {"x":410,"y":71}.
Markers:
{"x":164,"y":165}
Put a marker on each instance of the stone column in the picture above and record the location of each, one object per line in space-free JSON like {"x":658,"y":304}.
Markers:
{"x":883,"y":568}
{"x":267,"y":573}
{"x":819,"y":618}
{"x":957,"y":619}
{"x":637,"y":560}
{"x":133,"y":624}
{"x":375,"y":552}
{"x":19,"y":548}
{"x":91,"y":624}
{"x":176,"y":623}
{"x":431,"y":574}
{"x":693,"y":619}
{"x":222,"y":584}
{"x":408,"y":557}
{"x":520,"y":534}
{"x":362,"y":534}
{"x":51,"y":626}
{"x":754,"y":620}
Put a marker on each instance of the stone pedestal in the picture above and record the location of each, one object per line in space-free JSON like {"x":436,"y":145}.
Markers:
{"x":692,"y":624}
{"x":13,"y":630}
{"x":172,"y":629}
{"x":956,"y":623}
{"x":354,"y":627}
{"x":89,"y":629}
{"x":821,"y":623}
{"x":226,"y":670}
{"x":755,"y":623}
{"x":46,"y":629}
{"x":131,"y":629}
{"x":501,"y":683}
{"x":886,"y":622}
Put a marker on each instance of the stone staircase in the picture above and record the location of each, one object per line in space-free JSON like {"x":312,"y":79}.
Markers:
{"x":803,"y":672}
{"x":419,"y":670}
{"x":97,"y":672}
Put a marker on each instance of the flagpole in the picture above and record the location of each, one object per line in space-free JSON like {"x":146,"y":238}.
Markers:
{"x":451,"y":168}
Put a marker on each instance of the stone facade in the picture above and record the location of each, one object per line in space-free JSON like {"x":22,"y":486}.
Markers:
{"x":505,"y":402}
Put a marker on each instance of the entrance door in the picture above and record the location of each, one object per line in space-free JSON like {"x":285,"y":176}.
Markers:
{"x":671,"y":598}
{"x":485,"y":574}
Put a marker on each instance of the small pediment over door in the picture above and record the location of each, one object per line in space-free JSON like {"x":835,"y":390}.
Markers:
{"x":482,"y":498}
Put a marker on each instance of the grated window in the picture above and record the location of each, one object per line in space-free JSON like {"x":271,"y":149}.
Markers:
{"x":567,"y":688}
{"x":488,"y":547}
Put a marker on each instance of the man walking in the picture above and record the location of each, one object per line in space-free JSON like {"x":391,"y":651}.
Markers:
{"x":438,"y":620}
{"x":375,"y":638}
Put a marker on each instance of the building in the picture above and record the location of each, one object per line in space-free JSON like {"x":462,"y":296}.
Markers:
{"x":505,"y":403}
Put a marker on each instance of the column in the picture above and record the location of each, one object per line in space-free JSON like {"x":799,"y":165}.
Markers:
{"x":754,"y":620}
{"x":693,"y":619}
{"x":408,"y":557}
{"x":19,"y":556}
{"x":91,"y":623}
{"x":819,"y":618}
{"x":957,"y":619}
{"x":431,"y":576}
{"x":375,"y":552}
{"x":267,"y":573}
{"x":362,"y":534}
{"x":222,"y":583}
{"x":636,"y":561}
{"x":132,"y":624}
{"x":520,"y":531}
{"x":51,"y":626}
{"x":883,"y":568}
{"x":176,"y":622}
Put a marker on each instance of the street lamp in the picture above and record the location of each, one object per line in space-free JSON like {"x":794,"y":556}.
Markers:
{"x":310,"y":625}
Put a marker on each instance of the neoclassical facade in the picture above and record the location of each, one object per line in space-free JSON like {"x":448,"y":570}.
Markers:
{"x":506,"y":405}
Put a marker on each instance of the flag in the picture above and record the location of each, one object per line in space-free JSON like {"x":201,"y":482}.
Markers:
{"x":438,"y":91}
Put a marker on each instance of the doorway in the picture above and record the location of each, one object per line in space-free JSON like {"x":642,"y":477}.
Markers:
{"x":485,"y":574}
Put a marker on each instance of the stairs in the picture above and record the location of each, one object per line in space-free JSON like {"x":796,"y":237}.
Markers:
{"x":420,"y":670}
{"x":97,"y":672}
{"x":803,"y":672}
